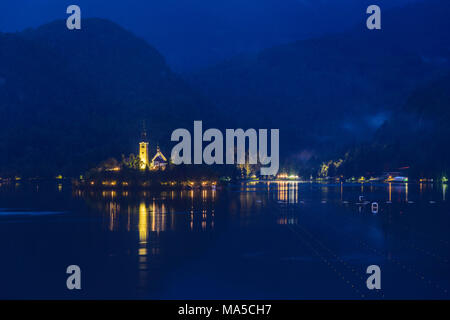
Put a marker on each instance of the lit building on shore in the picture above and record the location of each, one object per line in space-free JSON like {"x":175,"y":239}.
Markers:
{"x":143,"y":151}
{"x":159,"y":161}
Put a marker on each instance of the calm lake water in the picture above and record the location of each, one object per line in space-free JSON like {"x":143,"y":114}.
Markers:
{"x":256,"y":241}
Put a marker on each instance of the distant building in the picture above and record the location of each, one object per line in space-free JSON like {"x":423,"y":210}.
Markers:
{"x":159,"y":161}
{"x":143,"y":151}
{"x":395,"y":176}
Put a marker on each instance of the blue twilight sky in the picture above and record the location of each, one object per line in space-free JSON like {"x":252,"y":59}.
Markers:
{"x":196,"y":33}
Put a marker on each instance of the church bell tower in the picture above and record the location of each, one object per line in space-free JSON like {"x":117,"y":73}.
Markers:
{"x":143,"y":149}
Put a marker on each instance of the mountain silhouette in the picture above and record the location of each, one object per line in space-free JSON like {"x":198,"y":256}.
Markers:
{"x":338,"y":89}
{"x":69,"y":99}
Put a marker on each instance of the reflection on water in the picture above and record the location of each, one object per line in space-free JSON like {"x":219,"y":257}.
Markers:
{"x":172,"y":243}
{"x":143,"y":235}
{"x":150,"y":216}
{"x":287,"y":191}
{"x":154,"y":213}
{"x":406,"y":191}
{"x":113,"y":208}
{"x":143,"y":224}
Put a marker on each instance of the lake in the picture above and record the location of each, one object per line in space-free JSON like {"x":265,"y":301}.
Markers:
{"x":279,"y":240}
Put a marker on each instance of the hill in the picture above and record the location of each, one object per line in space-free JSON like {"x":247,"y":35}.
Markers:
{"x":416,"y":137}
{"x":332,"y":91}
{"x":70,"y":99}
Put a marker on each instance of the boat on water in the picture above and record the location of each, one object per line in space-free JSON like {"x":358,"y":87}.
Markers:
{"x":397,"y":179}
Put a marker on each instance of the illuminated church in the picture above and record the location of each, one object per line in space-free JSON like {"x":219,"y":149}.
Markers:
{"x":158,"y":162}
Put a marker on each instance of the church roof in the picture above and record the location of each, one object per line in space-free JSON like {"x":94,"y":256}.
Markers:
{"x":159,"y":156}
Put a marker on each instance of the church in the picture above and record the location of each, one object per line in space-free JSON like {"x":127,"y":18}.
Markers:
{"x":158,"y":162}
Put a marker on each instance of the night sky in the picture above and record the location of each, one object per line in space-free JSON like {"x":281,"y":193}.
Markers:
{"x":197,"y":33}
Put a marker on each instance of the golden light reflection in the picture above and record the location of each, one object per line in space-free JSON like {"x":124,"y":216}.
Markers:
{"x":109,"y":194}
{"x":142,"y":251}
{"x":153,"y":215}
{"x":444,"y":191}
{"x":158,"y":215}
{"x":287,"y":191}
{"x":150,"y":216}
{"x":143,"y":238}
{"x":390,"y":192}
{"x":293,"y":192}
{"x":113,"y":209}
{"x":143,"y":223}
{"x":282,"y":191}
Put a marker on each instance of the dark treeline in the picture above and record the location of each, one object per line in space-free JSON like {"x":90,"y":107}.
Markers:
{"x":173,"y":176}
{"x":331,"y":96}
{"x":69,"y":100}
{"x":417,"y":136}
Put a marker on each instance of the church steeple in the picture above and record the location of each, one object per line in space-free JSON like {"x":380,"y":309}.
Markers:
{"x":143,"y":148}
{"x":144,"y":132}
